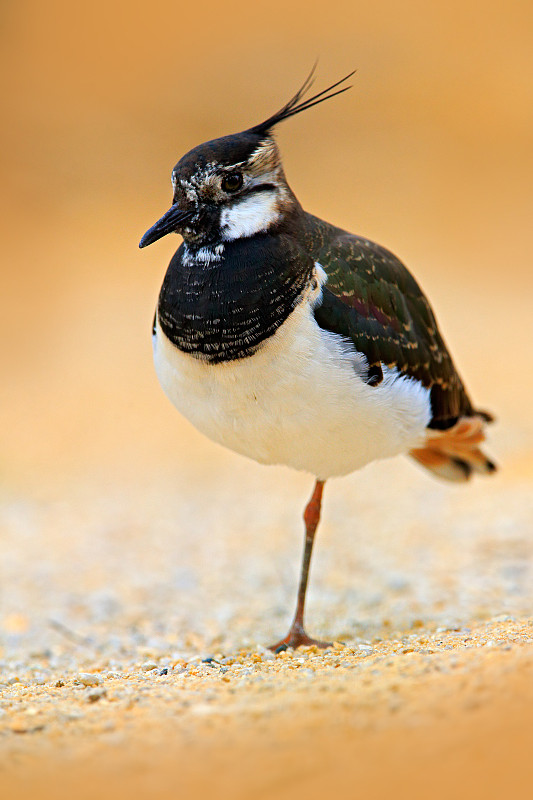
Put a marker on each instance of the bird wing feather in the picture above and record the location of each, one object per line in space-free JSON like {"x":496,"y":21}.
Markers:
{"x":373,"y":300}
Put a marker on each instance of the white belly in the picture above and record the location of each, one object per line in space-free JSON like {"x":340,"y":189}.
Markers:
{"x":299,"y":400}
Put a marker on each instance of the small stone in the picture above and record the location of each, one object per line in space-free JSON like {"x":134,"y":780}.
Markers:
{"x":265,"y":653}
{"x":22,"y":725}
{"x":268,"y":656}
{"x":73,"y":715}
{"x":89,"y":679}
{"x":19,"y":725}
{"x":148,"y":665}
{"x":247,"y":671}
{"x":93,"y":695}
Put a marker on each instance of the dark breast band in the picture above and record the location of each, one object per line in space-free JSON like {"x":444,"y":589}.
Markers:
{"x":224,"y":309}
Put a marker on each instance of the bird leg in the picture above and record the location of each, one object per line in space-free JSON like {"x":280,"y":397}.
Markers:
{"x":297,"y":636}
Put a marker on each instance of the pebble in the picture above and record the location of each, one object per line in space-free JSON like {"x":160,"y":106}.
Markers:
{"x":266,"y":655}
{"x":93,"y":695}
{"x":21,"y":725}
{"x":89,"y":678}
{"x":73,"y":715}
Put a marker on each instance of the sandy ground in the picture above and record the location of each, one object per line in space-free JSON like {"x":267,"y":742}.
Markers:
{"x":430,"y":714}
{"x":134,"y":625}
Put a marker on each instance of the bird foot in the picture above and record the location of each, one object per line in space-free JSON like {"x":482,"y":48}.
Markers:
{"x":298,"y":638}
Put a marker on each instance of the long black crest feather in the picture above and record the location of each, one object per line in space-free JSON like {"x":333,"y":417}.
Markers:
{"x":294,"y":106}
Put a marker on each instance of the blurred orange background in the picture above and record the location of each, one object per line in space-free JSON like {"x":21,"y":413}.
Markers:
{"x":430,"y":154}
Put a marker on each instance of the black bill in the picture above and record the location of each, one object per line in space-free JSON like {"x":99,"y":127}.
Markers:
{"x":169,"y":223}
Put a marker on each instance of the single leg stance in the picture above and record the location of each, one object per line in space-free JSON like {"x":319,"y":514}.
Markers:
{"x":263,"y":299}
{"x":297,"y":635}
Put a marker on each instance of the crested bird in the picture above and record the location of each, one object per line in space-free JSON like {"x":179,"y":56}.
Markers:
{"x":292,"y":341}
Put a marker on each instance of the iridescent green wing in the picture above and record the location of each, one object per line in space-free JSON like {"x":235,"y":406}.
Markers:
{"x":372,"y":299}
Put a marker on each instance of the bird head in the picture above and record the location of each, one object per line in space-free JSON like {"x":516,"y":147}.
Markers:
{"x":234,"y":187}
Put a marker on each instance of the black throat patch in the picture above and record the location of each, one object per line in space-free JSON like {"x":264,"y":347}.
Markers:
{"x":221,"y":304}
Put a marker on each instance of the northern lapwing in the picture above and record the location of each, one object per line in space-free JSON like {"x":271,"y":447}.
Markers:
{"x":292,"y":341}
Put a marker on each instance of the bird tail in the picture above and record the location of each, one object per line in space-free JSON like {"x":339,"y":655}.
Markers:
{"x":454,"y":453}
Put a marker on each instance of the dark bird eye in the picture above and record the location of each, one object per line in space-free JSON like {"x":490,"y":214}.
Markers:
{"x":232,"y":182}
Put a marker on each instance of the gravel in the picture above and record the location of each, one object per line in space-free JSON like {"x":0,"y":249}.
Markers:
{"x":134,"y":627}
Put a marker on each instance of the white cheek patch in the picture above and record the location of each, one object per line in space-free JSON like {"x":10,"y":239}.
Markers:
{"x":252,"y":214}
